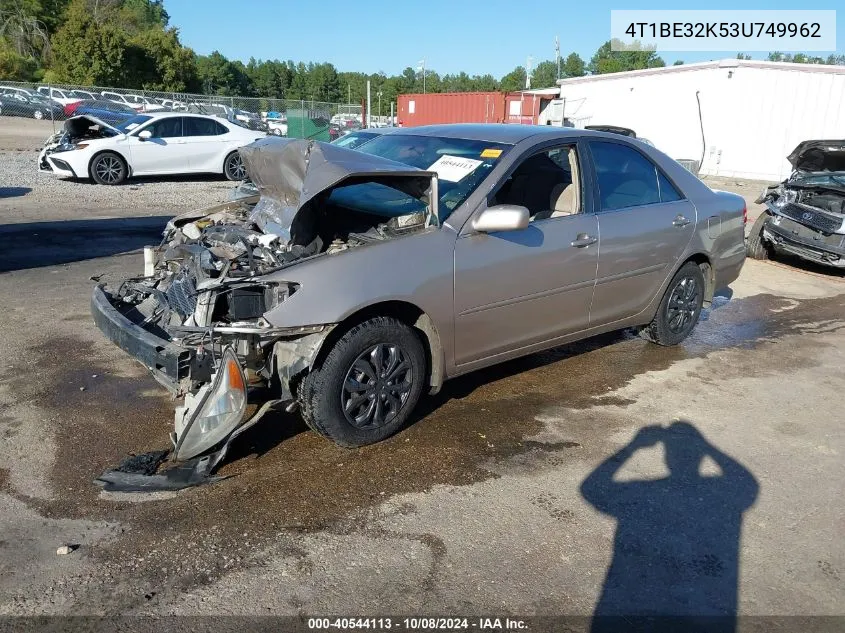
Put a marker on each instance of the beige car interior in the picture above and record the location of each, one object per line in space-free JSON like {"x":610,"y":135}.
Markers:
{"x":547,"y":184}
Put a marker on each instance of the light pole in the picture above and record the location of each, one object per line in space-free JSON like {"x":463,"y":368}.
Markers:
{"x":421,"y":67}
{"x":379,"y":107}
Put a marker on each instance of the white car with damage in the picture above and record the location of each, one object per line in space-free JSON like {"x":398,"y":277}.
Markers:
{"x":157,"y":143}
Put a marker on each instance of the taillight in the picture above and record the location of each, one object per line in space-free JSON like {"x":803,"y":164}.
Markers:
{"x":744,"y":214}
{"x":71,"y":108}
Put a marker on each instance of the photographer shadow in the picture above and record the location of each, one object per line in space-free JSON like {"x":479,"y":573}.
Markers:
{"x":676,"y":553}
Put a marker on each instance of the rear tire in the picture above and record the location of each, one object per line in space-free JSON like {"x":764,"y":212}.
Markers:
{"x":108,"y":168}
{"x":38,"y":114}
{"x":679,"y":309}
{"x":755,"y":247}
{"x":366,"y":387}
{"x":233,"y":167}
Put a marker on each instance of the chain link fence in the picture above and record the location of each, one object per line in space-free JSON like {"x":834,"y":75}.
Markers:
{"x":296,"y":118}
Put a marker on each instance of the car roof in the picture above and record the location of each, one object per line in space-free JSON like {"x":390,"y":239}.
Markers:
{"x":164,"y":115}
{"x":510,"y":133}
{"x":495,"y":132}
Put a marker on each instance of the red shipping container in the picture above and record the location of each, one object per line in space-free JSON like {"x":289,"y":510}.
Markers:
{"x":450,"y":107}
{"x":524,"y":107}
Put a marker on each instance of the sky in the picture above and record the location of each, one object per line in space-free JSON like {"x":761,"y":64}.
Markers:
{"x":479,"y":37}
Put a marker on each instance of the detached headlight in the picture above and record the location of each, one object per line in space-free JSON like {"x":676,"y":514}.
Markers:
{"x":216,"y":410}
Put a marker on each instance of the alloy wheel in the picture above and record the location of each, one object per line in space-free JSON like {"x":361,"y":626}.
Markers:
{"x":376,"y":386}
{"x":683,"y":304}
{"x":237,"y":171}
{"x":38,"y":114}
{"x":109,"y":169}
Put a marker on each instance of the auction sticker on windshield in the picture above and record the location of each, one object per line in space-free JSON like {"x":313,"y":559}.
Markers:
{"x":454,"y":168}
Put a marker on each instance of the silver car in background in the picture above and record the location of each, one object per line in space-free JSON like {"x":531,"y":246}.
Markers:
{"x":357,"y":280}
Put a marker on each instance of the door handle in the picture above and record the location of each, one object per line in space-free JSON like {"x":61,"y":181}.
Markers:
{"x":680,"y":221}
{"x":583,"y":240}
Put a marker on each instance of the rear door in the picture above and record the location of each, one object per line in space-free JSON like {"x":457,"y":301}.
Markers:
{"x":164,"y":152}
{"x":204,"y":143}
{"x":645,"y":225}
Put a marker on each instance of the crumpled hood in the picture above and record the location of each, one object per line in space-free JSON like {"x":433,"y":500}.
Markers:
{"x":816,"y":156}
{"x":289,"y":173}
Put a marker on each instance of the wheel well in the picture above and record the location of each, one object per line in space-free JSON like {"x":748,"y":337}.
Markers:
{"x":110,"y":151}
{"x":410,"y":315}
{"x":709,"y":275}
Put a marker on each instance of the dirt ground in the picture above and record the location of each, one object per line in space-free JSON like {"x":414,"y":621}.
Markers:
{"x":501,"y":499}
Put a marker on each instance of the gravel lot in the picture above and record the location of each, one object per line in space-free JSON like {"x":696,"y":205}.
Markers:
{"x":478,"y":508}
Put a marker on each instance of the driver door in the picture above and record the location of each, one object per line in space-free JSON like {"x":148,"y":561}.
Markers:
{"x":514,"y":289}
{"x":164,"y":152}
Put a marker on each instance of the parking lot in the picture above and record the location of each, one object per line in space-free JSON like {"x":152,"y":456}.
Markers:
{"x":477,"y":508}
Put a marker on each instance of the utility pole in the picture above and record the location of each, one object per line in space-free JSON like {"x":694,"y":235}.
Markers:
{"x":369,"y":109}
{"x":379,"y":106}
{"x":557,"y":55}
{"x":421,"y":66}
{"x":528,"y":65}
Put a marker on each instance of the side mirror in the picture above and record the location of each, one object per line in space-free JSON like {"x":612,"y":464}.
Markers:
{"x":501,"y":217}
{"x":145,"y":135}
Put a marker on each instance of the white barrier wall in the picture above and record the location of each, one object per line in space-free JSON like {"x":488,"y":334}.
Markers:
{"x":754,"y":113}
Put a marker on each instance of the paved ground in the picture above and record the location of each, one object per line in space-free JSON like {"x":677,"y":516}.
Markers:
{"x":495,"y":501}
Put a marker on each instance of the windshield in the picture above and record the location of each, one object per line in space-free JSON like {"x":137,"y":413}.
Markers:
{"x":461,"y":164}
{"x":132,"y":122}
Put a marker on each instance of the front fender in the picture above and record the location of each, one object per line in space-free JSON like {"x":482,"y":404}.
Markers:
{"x":417,"y":269}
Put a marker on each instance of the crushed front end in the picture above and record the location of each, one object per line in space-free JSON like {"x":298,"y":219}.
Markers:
{"x":806,"y":213}
{"x":201,"y":317}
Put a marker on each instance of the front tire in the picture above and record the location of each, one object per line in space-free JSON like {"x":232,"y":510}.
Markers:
{"x":233,"y":167}
{"x":108,"y":168}
{"x":366,"y":387}
{"x":755,"y":247}
{"x":679,"y":309}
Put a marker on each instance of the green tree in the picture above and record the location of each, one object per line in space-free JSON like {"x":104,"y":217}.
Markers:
{"x":87,"y":52}
{"x":744,"y":56}
{"x":544,"y":75}
{"x":324,"y":82}
{"x":514,"y":80}
{"x":15,"y":67}
{"x":23,"y":30}
{"x":217,"y":75}
{"x":678,"y":62}
{"x":607,"y":60}
{"x":573,"y":66}
{"x":161,"y":62}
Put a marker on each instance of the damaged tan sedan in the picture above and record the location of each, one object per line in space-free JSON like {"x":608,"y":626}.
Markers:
{"x":357,"y":280}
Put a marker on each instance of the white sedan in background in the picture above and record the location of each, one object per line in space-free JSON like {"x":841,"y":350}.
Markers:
{"x":144,"y":145}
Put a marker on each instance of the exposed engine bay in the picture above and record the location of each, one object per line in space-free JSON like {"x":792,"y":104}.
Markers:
{"x":806,"y":212}
{"x":200,"y":317}
{"x":74,"y":132}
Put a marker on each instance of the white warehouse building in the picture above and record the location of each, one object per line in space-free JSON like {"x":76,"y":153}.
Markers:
{"x":753,"y":113}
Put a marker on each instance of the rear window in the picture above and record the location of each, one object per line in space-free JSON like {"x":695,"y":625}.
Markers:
{"x":195,"y":126}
